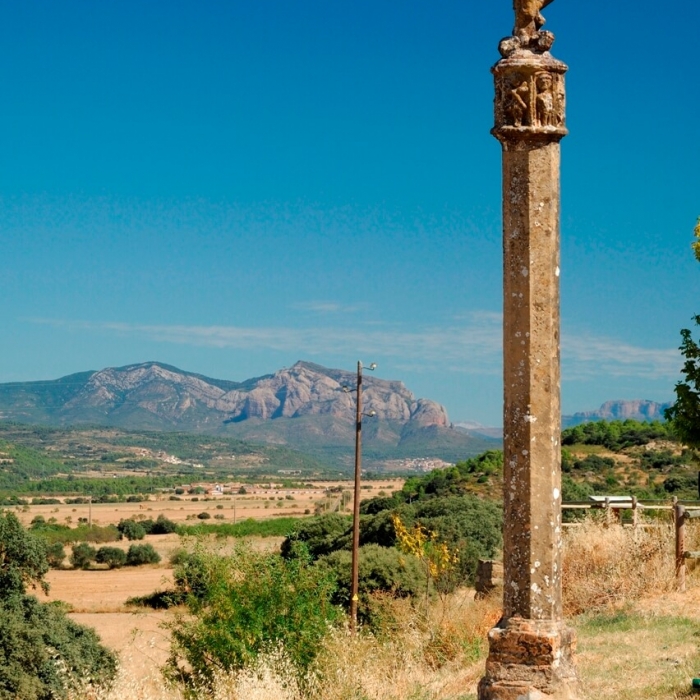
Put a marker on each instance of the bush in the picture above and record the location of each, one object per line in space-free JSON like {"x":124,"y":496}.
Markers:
{"x":82,"y":555}
{"x":279,"y":527}
{"x":55,"y":554}
{"x":245,"y":604}
{"x":466,"y":524}
{"x":22,"y":558}
{"x":321,"y":535}
{"x":160,"y":526}
{"x":204,"y":516}
{"x":131,"y":530}
{"x":178,"y":556}
{"x":45,"y":654}
{"x":52,"y":532}
{"x":381,"y":569}
{"x":594,"y":463}
{"x":139,"y":554}
{"x":114,"y":557}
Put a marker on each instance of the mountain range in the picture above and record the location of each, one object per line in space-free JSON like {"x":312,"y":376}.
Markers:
{"x":306,"y":407}
{"x":636,"y":409}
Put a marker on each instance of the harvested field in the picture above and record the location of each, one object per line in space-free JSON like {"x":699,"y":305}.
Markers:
{"x":105,"y":591}
{"x":259,"y":504}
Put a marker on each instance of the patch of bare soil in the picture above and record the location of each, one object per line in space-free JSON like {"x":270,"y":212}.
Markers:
{"x":140,"y":642}
{"x":105,"y":591}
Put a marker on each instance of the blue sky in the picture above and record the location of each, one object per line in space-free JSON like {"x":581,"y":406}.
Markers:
{"x":232,"y":186}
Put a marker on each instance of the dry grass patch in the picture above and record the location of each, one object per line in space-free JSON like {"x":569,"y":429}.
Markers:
{"x":609,"y":566}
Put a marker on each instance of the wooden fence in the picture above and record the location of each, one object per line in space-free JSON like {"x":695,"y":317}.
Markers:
{"x":681,"y":514}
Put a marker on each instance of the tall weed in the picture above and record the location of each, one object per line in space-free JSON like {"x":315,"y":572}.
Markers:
{"x":610,"y":566}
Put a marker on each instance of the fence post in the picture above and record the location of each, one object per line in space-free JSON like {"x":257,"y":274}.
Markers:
{"x":635,"y":514}
{"x":608,"y":513}
{"x":679,"y":518}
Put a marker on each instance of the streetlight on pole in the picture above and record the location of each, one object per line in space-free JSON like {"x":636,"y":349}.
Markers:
{"x":356,"y":501}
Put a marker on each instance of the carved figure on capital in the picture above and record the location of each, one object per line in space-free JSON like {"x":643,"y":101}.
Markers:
{"x":544,"y":102}
{"x":519,"y":104}
{"x":528,"y":16}
{"x":530,"y":99}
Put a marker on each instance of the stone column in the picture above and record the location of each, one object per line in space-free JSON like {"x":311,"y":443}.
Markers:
{"x":531,"y":649}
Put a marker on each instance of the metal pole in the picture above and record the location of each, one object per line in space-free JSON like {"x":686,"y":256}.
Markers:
{"x":356,"y":505}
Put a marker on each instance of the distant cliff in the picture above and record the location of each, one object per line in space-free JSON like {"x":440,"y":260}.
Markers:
{"x":638,"y":409}
{"x":303,"y":406}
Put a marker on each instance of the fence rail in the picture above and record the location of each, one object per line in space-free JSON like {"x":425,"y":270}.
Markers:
{"x":682,"y":512}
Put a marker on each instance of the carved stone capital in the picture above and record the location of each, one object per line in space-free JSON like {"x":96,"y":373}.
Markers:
{"x":530,"y":100}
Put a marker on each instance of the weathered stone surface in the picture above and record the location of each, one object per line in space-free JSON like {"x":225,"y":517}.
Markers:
{"x":527,"y":656}
{"x":489,"y":575}
{"x":532,"y":479}
{"x":530,"y":101}
{"x":531,"y":651}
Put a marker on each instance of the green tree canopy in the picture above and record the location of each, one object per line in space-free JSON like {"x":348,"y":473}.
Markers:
{"x":684,"y":414}
{"x":23,"y":559}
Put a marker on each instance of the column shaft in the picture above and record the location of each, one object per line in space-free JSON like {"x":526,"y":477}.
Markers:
{"x":532,"y":424}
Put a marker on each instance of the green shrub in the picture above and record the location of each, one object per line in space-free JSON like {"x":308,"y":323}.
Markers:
{"x":22,"y":558}
{"x":83,"y":554}
{"x":55,"y":554}
{"x":45,"y":654}
{"x":139,"y":554}
{"x":160,"y":526}
{"x":178,"y":556}
{"x":131,"y":530}
{"x":659,"y":459}
{"x":54,"y":532}
{"x":279,"y":527}
{"x":321,"y":535}
{"x":204,"y":516}
{"x":158,"y":600}
{"x":114,"y":557}
{"x":381,"y":569}
{"x":594,"y":463}
{"x":246,"y":603}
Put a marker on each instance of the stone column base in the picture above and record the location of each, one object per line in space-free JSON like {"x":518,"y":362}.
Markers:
{"x":530,"y":660}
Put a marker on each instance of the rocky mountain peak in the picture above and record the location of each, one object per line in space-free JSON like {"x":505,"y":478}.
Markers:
{"x":619,"y":409}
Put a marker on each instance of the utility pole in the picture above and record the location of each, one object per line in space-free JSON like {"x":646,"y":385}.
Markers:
{"x":356,"y":500}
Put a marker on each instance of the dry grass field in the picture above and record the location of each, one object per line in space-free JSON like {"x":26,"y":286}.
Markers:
{"x":259,"y":503}
{"x":638,"y":638}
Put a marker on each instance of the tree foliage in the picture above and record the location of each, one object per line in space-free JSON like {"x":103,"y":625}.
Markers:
{"x":616,"y":435}
{"x":114,"y":557}
{"x":131,"y":529}
{"x":464,"y":523}
{"x":380,"y":569}
{"x":684,"y":414}
{"x":82,"y":556}
{"x":244,"y":604}
{"x":23,"y":559}
{"x":140,"y":554}
{"x":43,"y":654}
